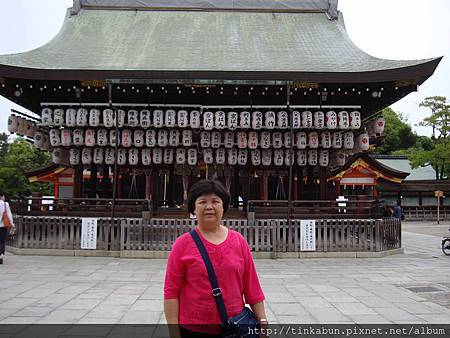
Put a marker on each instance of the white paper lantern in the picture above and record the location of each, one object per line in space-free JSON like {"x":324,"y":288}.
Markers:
{"x":145,"y":118}
{"x":158,"y":118}
{"x":113,"y":138}
{"x":331,"y":120}
{"x":102,"y":137}
{"x":60,"y":156}
{"x":194,"y":119}
{"x":21,"y":126}
{"x":265,"y":140}
{"x":66,"y":138}
{"x":89,"y":138}
{"x":205,"y":139}
{"x":82,"y":117}
{"x":312,"y":157}
{"x":245,"y":120}
{"x":122,"y":156}
{"x":370,"y":128}
{"x":94,"y":117}
{"x":242,"y":156}
{"x":47,"y":117}
{"x":78,"y":137}
{"x":253,"y":140}
{"x":162,"y":138}
{"x":257,"y":120}
{"x":324,"y":158}
{"x":192,"y":156}
{"x":216,"y":139}
{"x":133,"y":156}
{"x":220,"y":156}
{"x":363,"y":141}
{"x":208,"y":156}
{"x":121,"y":118}
{"x":74,"y":156}
{"x":339,"y":158}
{"x":288,"y":160}
{"x":302,"y":140}
{"x":58,"y":117}
{"x":337,"y":140}
{"x":255,"y":156}
{"x":233,"y":120}
{"x":150,"y":138}
{"x":146,"y":156}
{"x":180,"y":156}
{"x":319,"y":120}
{"x":55,"y":137}
{"x":278,"y":157}
{"x":98,"y":157}
{"x":277,"y":140}
{"x":296,"y":120}
{"x":138,"y":138}
{"x":13,"y":124}
{"x":232,"y":156}
{"x":355,"y":120}
{"x":187,"y":138}
{"x":133,"y":118}
{"x":343,"y":120}
{"x":313,"y":140}
{"x":126,"y":140}
{"x":229,"y":140}
{"x":379,"y":125}
{"x":170,"y":118}
{"x":71,"y":117}
{"x":39,"y":140}
{"x":349,"y":141}
{"x":283,"y":120}
{"x":31,"y":129}
{"x":168,"y":156}
{"x":307,"y":119}
{"x":270,"y":118}
{"x":325,"y":138}
{"x":208,"y":120}
{"x":220,"y":119}
{"x":301,"y":158}
{"x":108,"y":118}
{"x":174,"y":138}
{"x":287,"y":139}
{"x":86,"y":156}
{"x":266,"y":157}
{"x":182,"y":119}
{"x":110,"y":156}
{"x":242,"y":140}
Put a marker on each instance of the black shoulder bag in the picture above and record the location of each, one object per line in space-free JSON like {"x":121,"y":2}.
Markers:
{"x":242,"y":325}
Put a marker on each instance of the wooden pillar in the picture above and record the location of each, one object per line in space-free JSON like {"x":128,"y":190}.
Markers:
{"x":171,"y":185}
{"x":106,"y":182}
{"x":148,"y":185}
{"x":323,"y":184}
{"x":245,"y":180}
{"x":77,"y":182}
{"x":94,"y":182}
{"x":295,"y":190}
{"x":235,"y":187}
{"x":155,"y":189}
{"x":310,"y":182}
{"x":420,"y":198}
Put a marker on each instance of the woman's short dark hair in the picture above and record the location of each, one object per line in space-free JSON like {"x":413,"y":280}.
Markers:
{"x":205,"y":187}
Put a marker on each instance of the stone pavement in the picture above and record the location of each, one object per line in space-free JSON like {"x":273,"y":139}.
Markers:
{"x":407,"y":288}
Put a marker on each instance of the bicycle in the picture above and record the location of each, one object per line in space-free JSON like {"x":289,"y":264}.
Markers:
{"x":446,"y":245}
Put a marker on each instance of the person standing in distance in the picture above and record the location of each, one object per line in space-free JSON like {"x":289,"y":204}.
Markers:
{"x":4,"y":206}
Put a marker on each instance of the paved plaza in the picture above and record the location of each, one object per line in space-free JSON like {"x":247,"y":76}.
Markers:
{"x":406,"y":288}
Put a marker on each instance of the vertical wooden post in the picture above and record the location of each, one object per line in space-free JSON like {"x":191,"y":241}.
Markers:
{"x":94,"y":182}
{"x":323,"y":183}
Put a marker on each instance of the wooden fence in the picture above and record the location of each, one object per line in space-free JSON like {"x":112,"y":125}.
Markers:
{"x":426,"y":213}
{"x":335,"y":235}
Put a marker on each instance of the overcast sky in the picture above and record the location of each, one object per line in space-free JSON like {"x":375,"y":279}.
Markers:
{"x":391,"y":29}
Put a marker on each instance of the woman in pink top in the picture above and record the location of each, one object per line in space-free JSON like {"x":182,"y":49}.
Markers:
{"x":188,"y":299}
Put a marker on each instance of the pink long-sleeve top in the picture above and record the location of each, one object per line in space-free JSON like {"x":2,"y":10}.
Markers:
{"x":187,"y":280}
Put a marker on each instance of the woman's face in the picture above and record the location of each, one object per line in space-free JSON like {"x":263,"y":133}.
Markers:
{"x":209,"y":209}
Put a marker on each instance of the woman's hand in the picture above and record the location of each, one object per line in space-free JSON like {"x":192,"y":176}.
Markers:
{"x":171,"y":309}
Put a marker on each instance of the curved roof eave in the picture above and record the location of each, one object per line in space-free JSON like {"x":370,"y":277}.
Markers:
{"x":102,"y":44}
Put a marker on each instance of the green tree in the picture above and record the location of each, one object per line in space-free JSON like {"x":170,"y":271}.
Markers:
{"x":434,"y":151}
{"x":20,"y":157}
{"x":398,"y":133}
{"x":3,"y":145}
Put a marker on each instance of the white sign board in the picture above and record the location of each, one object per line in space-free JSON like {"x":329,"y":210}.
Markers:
{"x":308,"y":235}
{"x":89,"y":233}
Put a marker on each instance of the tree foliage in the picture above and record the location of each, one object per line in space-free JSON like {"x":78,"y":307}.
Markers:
{"x":16,"y":159}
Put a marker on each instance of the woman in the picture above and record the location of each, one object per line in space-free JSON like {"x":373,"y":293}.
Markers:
{"x":188,"y":299}
{"x":3,"y":231}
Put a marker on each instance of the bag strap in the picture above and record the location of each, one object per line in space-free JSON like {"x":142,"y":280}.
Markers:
{"x":217,"y":293}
